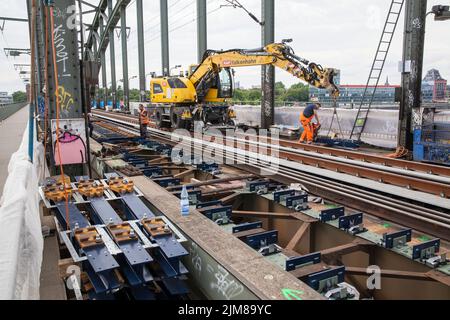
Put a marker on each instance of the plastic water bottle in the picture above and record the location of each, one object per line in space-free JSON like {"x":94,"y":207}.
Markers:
{"x":184,"y":202}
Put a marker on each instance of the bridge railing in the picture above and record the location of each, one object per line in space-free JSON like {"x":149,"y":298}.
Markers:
{"x":8,"y":110}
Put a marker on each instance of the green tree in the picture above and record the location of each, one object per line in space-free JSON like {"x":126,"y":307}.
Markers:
{"x":19,"y":96}
{"x":296,"y":93}
{"x":280,"y":91}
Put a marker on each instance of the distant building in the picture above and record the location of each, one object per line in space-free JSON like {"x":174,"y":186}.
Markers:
{"x":352,"y":94}
{"x":5,"y":98}
{"x":434,"y":87}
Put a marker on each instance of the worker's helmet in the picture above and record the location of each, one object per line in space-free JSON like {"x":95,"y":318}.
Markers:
{"x":315,"y":99}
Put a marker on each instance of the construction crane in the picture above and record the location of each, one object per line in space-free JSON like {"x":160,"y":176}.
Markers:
{"x":203,"y":93}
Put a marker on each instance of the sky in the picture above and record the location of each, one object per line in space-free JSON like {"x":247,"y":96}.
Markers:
{"x":341,"y":34}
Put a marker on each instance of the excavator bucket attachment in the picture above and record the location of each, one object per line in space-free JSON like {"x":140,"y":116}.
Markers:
{"x":328,"y":82}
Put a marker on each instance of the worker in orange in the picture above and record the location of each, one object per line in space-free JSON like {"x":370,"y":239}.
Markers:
{"x":143,"y":121}
{"x":306,"y":119}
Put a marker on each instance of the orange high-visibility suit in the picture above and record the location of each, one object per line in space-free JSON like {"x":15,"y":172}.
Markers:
{"x":308,"y":129}
{"x":144,"y":121}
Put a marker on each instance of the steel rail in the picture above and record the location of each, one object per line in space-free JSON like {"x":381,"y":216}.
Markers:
{"x":434,"y":225}
{"x":421,"y":219}
{"x":421,"y":184}
{"x":414,"y":169}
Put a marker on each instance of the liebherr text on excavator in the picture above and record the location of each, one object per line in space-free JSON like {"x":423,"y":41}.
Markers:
{"x":203,"y":95}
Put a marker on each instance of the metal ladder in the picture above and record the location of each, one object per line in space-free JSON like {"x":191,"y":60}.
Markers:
{"x":377,"y":68}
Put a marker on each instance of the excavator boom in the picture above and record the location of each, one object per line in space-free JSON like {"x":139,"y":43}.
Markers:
{"x":279,"y":55}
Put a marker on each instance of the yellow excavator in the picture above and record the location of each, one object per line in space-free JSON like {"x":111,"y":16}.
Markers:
{"x":203,"y":93}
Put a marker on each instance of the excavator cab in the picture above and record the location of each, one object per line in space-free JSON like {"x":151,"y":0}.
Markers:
{"x":223,"y":87}
{"x":172,"y":90}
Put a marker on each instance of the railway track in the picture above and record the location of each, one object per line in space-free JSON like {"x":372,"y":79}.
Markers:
{"x":422,"y":177}
{"x":429,"y":220}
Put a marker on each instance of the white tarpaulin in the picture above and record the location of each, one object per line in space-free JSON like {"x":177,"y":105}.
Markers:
{"x":21,"y":241}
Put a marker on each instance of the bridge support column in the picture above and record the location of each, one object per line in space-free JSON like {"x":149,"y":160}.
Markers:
{"x":103,"y":65}
{"x":112,"y":51}
{"x":268,"y":72}
{"x":165,"y":37}
{"x":126,"y":85}
{"x":202,"y":29}
{"x":141,"y":50}
{"x":413,"y":49}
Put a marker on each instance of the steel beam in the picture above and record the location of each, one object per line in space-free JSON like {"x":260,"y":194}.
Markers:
{"x":268,"y":71}
{"x":14,"y":19}
{"x":112,"y":51}
{"x":141,"y":50}
{"x":126,"y":85}
{"x":413,"y":49}
{"x":165,"y":37}
{"x":68,"y":70}
{"x":202,"y":29}
{"x":103,"y":64}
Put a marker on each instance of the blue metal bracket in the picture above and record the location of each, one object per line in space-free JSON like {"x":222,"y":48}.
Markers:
{"x":247,"y":227}
{"x":167,"y":182}
{"x":346,"y":222}
{"x":209,"y":204}
{"x":77,"y":220}
{"x":296,"y":262}
{"x":281,"y":196}
{"x":261,"y":187}
{"x":105,"y":213}
{"x":211,"y":168}
{"x":297,"y":202}
{"x":100,"y":258}
{"x":394,"y":239}
{"x":152,"y":172}
{"x":218,"y":213}
{"x":426,"y":250}
{"x":102,"y":283}
{"x":195,"y":196}
{"x":263,"y":239}
{"x":333,"y":276}
{"x":136,"y":207}
{"x":331,"y":214}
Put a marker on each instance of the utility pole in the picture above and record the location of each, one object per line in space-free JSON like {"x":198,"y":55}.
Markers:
{"x":165,"y":37}
{"x":202,"y":29}
{"x":413,"y":50}
{"x":268,"y":71}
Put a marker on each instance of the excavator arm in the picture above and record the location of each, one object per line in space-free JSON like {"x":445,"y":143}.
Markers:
{"x":279,"y":55}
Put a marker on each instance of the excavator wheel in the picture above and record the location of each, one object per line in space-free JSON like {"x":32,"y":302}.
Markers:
{"x":159,"y":119}
{"x":177,"y":122}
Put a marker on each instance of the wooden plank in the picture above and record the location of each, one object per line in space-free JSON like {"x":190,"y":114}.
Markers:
{"x":184,"y":174}
{"x":298,"y":236}
{"x":260,"y":276}
{"x":334,"y":253}
{"x":439,"y":277}
{"x":397,"y":274}
{"x":262,"y":214}
{"x":229,"y":199}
